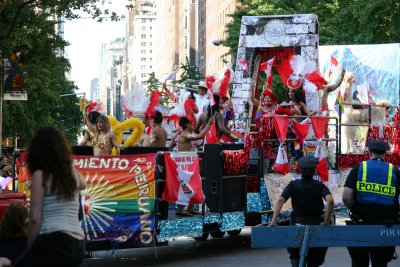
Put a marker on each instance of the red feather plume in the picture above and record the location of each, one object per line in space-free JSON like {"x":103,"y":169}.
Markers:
{"x":155,"y":98}
{"x":316,"y":79}
{"x":190,"y":110}
{"x":210,"y":79}
{"x":224,"y":86}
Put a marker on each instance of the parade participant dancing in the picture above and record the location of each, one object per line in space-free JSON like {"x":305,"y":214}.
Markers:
{"x":105,"y":139}
{"x":371,"y":206}
{"x":221,"y":128}
{"x":307,"y":197}
{"x":296,"y":104}
{"x":55,"y":236}
{"x":325,"y":90}
{"x":90,"y":122}
{"x":268,"y":105}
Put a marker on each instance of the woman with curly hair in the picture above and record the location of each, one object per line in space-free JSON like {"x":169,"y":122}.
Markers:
{"x":14,"y":231}
{"x":55,"y":236}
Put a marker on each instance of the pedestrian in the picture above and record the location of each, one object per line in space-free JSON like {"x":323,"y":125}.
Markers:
{"x":14,"y":231}
{"x":371,"y":192}
{"x":55,"y":236}
{"x":307,"y":197}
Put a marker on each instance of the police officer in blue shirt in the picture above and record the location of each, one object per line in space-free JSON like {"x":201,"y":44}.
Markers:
{"x":371,"y":192}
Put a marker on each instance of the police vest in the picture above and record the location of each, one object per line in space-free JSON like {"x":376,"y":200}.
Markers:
{"x":376,"y":183}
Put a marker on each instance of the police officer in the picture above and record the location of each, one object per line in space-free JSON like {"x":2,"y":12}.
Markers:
{"x":371,"y":192}
{"x":307,"y":201}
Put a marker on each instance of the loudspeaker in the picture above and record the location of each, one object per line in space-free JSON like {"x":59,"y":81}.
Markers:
{"x":82,"y":150}
{"x":131,"y":150}
{"x":223,"y":193}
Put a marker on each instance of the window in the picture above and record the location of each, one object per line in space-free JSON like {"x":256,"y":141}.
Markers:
{"x":143,"y":59}
{"x":144,"y":28}
{"x":143,"y":67}
{"x":150,"y":67}
{"x":143,"y":75}
{"x":151,"y":43}
{"x":151,"y":35}
{"x":151,"y":28}
{"x":143,"y":44}
{"x":151,"y":59}
{"x":150,"y":51}
{"x":143,"y":36}
{"x":143,"y":20}
{"x":143,"y":52}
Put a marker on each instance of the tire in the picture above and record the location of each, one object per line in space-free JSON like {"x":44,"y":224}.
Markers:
{"x":217,"y":234}
{"x":204,"y":237}
{"x":234,"y":232}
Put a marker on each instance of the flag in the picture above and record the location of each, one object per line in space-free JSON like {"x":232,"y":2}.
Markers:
{"x":280,"y":123}
{"x":339,"y":101}
{"x":334,"y":64}
{"x":301,"y":129}
{"x":171,"y":76}
{"x":182,"y":187}
{"x":319,"y":124}
{"x":211,"y":135}
{"x":258,"y":115}
{"x":245,"y":65}
{"x":281,"y":163}
{"x":267,"y":68}
{"x":321,"y":168}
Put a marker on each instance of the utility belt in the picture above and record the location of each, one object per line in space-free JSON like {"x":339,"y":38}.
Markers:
{"x":356,"y":219}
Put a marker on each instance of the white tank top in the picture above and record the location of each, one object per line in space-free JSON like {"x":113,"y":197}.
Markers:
{"x":59,"y":214}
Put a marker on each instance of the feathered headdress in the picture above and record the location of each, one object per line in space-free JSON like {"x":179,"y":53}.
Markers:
{"x":297,"y":72}
{"x":135,"y":103}
{"x":218,"y":83}
{"x":88,"y":106}
{"x":185,"y":107}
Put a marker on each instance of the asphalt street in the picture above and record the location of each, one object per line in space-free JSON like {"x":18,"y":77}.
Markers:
{"x":226,"y":251}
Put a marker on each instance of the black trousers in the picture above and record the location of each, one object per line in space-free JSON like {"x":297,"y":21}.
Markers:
{"x":315,"y":256}
{"x":54,"y":249}
{"x":379,"y":256}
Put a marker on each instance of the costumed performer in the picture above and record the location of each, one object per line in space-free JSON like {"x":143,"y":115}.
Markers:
{"x":325,"y":90}
{"x":158,"y":136}
{"x":105,"y":138}
{"x":221,"y":129}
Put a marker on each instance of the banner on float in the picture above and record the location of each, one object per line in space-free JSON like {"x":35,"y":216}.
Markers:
{"x":276,"y":183}
{"x":376,"y":69}
{"x":119,"y":200}
{"x":14,"y":87}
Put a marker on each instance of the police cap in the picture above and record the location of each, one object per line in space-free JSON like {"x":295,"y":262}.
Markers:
{"x":308,"y":162}
{"x":378,"y":146}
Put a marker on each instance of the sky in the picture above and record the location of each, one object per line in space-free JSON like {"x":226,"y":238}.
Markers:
{"x":85,"y":37}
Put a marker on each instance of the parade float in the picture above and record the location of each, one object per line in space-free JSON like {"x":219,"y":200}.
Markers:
{"x":131,"y":199}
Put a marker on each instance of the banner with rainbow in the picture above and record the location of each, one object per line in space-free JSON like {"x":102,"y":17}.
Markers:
{"x":119,"y":200}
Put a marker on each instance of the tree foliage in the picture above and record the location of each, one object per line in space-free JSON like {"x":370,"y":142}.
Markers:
{"x":340,"y":21}
{"x":28,"y":27}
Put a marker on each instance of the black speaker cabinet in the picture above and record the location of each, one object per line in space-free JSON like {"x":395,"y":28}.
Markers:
{"x":223,"y":193}
{"x":82,"y":150}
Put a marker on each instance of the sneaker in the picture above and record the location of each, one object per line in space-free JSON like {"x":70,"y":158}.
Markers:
{"x":182,"y":213}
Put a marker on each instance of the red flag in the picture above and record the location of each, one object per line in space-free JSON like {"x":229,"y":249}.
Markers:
{"x":182,"y":187}
{"x":281,"y":163}
{"x":211,"y":135}
{"x":334,"y":64}
{"x":319,"y":124}
{"x":267,"y":68}
{"x":244,"y":64}
{"x":281,"y":123}
{"x":322,"y":168}
{"x":301,"y":129}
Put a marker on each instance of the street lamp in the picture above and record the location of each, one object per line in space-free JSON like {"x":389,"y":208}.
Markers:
{"x":70,"y":94}
{"x":218,"y":42}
